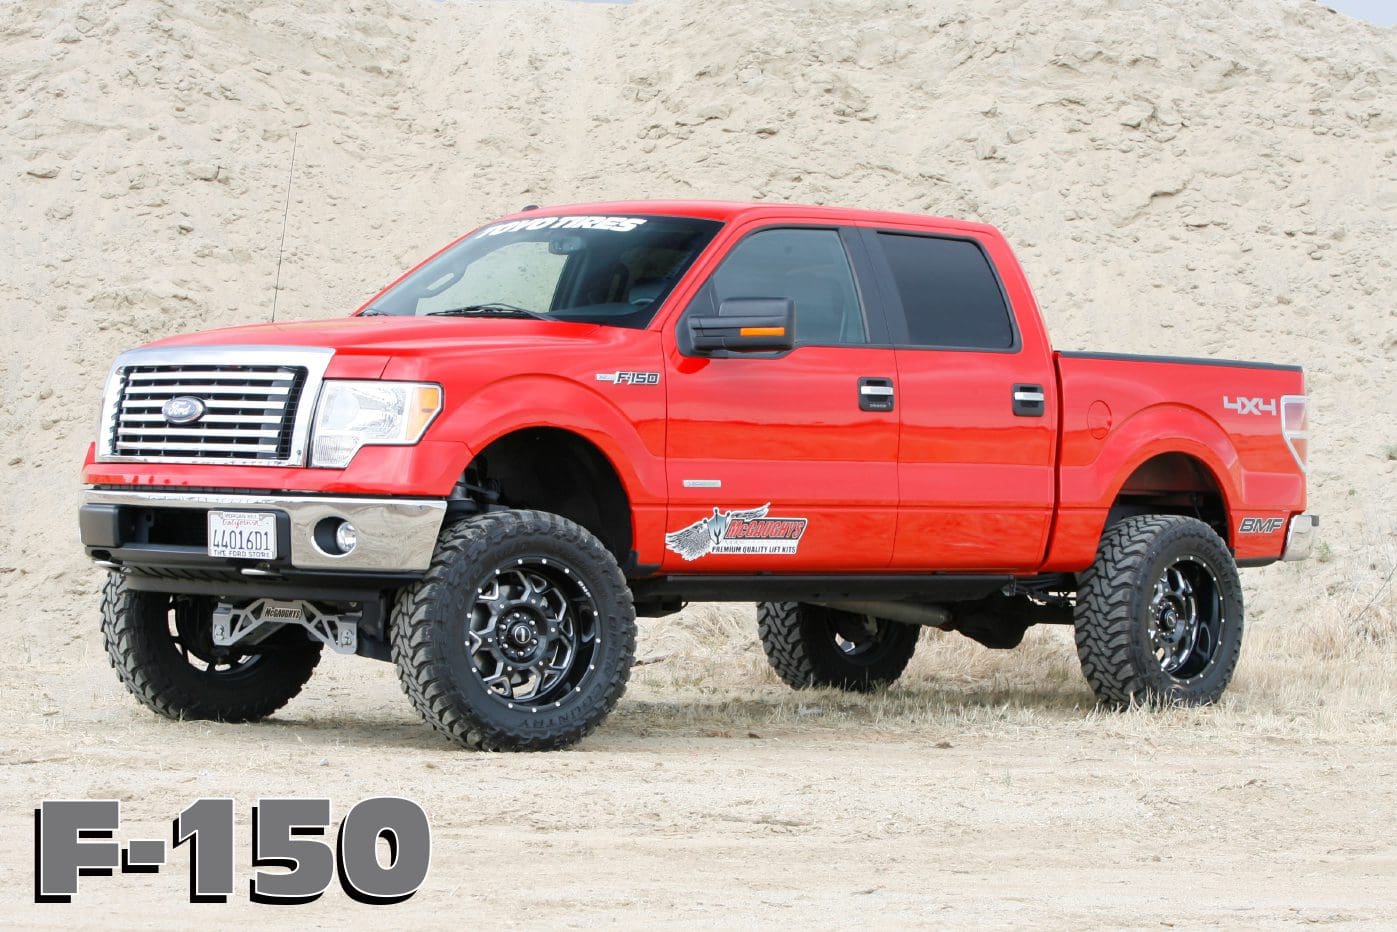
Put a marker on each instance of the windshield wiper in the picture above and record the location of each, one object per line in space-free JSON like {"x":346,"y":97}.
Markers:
{"x":492,"y":309}
{"x":375,"y":312}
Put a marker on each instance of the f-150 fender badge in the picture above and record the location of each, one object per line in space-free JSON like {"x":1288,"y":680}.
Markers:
{"x":1260,"y":525}
{"x":740,"y":532}
{"x":629,"y":378}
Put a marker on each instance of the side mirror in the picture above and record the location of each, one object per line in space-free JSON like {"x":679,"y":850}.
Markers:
{"x":747,"y":325}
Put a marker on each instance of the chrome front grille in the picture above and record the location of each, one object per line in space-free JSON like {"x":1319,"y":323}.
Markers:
{"x":250,"y":411}
{"x":256,"y":405}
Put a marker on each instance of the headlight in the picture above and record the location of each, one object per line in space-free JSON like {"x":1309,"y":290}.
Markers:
{"x":351,"y":415}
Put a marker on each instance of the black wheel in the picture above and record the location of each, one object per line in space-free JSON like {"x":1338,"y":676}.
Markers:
{"x":162,"y":648}
{"x":520,"y":637}
{"x":810,"y":645}
{"x":1159,"y":614}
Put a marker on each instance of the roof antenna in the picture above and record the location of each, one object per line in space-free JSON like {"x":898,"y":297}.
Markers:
{"x":284,"y":213}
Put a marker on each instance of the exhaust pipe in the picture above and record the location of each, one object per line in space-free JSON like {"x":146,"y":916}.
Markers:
{"x":931,"y":616}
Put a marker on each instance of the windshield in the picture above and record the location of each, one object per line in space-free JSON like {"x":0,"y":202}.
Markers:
{"x":613,"y":270}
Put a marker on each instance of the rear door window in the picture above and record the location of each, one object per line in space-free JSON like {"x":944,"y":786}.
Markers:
{"x":950,"y":295}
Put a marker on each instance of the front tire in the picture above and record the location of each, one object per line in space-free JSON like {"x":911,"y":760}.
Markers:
{"x":520,"y":637}
{"x":811,"y":645}
{"x":161,"y":647}
{"x":1159,"y":614}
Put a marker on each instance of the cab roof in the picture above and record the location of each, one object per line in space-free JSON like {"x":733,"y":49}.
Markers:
{"x":729,"y":211}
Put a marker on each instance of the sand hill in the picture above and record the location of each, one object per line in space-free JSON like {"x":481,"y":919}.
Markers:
{"x":1200,"y":177}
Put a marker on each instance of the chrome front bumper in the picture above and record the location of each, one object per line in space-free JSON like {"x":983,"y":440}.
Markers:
{"x":395,"y":535}
{"x":1300,"y":537}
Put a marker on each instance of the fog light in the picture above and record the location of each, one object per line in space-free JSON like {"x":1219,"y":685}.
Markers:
{"x":335,"y":537}
{"x":346,"y":537}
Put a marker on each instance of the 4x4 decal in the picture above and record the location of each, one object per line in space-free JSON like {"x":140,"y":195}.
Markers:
{"x":744,"y":532}
{"x":1250,"y":405}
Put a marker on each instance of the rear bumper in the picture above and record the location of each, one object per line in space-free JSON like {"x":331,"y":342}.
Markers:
{"x":161,"y":531}
{"x":1300,"y":537}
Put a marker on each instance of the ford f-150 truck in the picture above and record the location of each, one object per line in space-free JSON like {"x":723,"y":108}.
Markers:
{"x":575,"y":416}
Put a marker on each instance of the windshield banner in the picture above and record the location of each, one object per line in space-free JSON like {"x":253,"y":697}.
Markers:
{"x":615,"y":224}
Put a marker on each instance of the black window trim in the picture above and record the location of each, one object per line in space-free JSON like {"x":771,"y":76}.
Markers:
{"x":896,"y":313}
{"x":866,"y":292}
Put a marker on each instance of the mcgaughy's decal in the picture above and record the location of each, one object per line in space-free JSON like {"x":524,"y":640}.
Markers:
{"x":742,"y":532}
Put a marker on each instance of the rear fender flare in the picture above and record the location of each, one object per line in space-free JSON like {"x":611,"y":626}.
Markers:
{"x":1157,"y":430}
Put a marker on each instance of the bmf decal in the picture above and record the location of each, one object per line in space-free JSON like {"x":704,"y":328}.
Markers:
{"x":629,"y":378}
{"x":743,"y":532}
{"x":1256,"y":406}
{"x":1260,"y":525}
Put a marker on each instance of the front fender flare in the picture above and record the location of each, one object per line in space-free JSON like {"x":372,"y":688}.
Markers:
{"x":526,"y":401}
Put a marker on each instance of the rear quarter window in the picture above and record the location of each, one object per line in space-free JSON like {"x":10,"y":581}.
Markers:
{"x":949,"y":292}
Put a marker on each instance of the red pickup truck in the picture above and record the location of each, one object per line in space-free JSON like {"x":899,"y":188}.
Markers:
{"x":573,"y":416}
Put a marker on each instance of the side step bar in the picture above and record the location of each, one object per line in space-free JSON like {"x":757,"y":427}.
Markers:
{"x":770,"y":588}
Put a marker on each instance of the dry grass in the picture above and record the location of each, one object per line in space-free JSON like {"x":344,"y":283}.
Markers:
{"x":1330,"y":670}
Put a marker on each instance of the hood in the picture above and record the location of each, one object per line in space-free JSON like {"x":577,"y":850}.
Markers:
{"x":387,"y":336}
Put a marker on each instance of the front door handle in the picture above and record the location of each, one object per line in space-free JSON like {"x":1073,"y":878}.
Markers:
{"x":875,"y":394}
{"x":1029,"y":401}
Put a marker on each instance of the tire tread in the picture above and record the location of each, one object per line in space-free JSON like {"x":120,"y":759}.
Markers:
{"x":423,"y":671}
{"x":788,"y":632}
{"x":129,"y":630}
{"x":1108,"y":610}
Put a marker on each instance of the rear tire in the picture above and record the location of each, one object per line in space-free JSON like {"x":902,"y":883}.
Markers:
{"x":1159,"y":614}
{"x":162,"y":649}
{"x":810,"y":645}
{"x":520,"y":637}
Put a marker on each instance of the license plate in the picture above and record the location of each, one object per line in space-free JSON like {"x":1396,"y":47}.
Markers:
{"x":246,"y":535}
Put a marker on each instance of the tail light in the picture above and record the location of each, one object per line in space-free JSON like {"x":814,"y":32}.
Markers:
{"x":1295,"y":427}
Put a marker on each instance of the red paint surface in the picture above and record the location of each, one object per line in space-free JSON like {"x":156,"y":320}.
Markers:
{"x":950,"y":480}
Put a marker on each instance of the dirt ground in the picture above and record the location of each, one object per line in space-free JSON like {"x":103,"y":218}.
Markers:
{"x":969,"y":795}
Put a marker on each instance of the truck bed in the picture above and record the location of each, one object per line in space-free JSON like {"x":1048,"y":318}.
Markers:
{"x":1126,"y":418}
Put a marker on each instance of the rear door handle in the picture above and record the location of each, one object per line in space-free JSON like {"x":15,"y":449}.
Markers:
{"x":875,"y":394}
{"x":1029,"y":401}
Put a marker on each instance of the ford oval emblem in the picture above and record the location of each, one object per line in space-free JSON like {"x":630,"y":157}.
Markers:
{"x":185,"y":409}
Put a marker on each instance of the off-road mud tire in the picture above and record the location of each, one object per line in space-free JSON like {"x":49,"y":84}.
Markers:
{"x":802,"y":646}
{"x":429,"y":633}
{"x":136,"y":630}
{"x":1114,"y":610}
